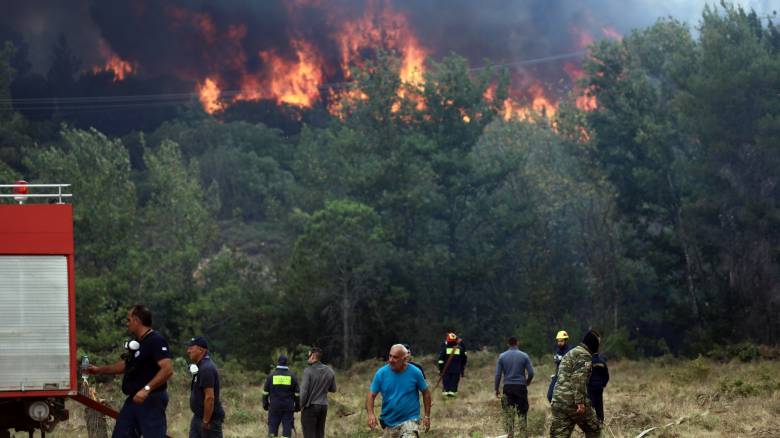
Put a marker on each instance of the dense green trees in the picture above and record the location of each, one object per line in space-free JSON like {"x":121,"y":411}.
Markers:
{"x":418,"y":209}
{"x":686,"y":132}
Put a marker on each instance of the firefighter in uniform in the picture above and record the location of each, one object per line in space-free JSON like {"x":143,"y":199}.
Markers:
{"x":452,"y":363}
{"x":281,"y":398}
{"x":570,"y":404}
{"x":562,"y":347}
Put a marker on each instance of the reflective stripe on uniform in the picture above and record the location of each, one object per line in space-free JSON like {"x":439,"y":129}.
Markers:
{"x":282,"y":380}
{"x":453,"y":351}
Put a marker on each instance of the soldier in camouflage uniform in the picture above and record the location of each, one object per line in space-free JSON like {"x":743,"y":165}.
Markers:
{"x":570,"y":404}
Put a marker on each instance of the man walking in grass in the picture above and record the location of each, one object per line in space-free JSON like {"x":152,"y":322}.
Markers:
{"x":281,"y":398}
{"x":318,"y":380}
{"x":515,"y":366}
{"x":399,"y":385}
{"x":570,"y":404}
{"x":207,"y":411}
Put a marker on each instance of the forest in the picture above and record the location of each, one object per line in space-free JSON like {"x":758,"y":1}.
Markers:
{"x":417,"y":209}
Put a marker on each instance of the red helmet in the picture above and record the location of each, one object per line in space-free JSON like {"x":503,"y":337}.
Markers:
{"x":452,"y":337}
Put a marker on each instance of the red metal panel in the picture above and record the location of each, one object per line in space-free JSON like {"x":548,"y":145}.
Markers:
{"x":36,"y":229}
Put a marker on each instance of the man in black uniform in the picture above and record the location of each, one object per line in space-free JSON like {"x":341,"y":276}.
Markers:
{"x":207,"y":412}
{"x":281,"y":398}
{"x":599,"y":377}
{"x":146,"y":366}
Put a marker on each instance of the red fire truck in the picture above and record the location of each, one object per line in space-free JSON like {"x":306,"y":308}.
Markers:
{"x":38,"y":363}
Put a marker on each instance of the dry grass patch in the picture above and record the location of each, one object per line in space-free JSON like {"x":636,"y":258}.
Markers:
{"x":683,"y":398}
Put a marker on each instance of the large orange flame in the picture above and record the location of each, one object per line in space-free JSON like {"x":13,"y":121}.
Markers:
{"x":209,"y":93}
{"x":295,"y":82}
{"x":538,"y":103}
{"x":381,"y":27}
{"x":584,"y":99}
{"x":297,"y":74}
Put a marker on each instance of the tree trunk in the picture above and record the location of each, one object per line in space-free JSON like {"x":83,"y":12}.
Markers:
{"x":689,"y":265}
{"x":615,"y":313}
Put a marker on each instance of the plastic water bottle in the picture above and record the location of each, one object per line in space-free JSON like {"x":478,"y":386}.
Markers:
{"x":84,"y":366}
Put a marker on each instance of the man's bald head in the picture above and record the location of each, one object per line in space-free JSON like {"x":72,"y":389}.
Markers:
{"x":398,"y":358}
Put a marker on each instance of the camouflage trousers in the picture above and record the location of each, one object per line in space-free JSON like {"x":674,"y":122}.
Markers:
{"x":565,"y":418}
{"x":407,"y":429}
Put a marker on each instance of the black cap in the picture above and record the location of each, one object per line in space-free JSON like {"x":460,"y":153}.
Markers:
{"x":200,"y":341}
{"x":282,"y":360}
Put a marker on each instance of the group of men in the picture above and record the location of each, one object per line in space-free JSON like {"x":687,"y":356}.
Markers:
{"x":575,"y":392}
{"x":282,"y":396}
{"x":576,"y":388}
{"x":147,"y":365}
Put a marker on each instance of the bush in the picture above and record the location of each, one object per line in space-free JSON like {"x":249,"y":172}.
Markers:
{"x":744,"y":351}
{"x":738,"y":388}
{"x":695,"y":370}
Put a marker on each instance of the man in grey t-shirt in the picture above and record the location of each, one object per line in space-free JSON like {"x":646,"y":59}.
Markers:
{"x":318,"y":381}
{"x":515,"y":367}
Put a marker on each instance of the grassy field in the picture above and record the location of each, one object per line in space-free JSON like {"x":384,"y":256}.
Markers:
{"x":697,"y":398}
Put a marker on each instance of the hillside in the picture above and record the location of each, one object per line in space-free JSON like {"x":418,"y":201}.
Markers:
{"x":697,"y":398}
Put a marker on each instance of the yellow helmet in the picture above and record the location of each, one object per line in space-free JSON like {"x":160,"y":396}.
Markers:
{"x":561,"y":335}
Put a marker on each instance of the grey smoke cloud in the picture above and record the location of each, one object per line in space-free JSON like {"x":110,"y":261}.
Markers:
{"x":168,"y":37}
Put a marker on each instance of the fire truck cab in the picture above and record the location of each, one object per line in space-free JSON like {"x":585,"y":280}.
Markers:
{"x":38,"y":363}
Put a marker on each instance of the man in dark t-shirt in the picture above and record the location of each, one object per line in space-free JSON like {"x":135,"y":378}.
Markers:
{"x":207,"y":412}
{"x":146,"y":367}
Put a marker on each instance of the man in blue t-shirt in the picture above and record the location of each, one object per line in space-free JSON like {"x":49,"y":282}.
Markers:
{"x":399,"y":385}
{"x":146,"y":366}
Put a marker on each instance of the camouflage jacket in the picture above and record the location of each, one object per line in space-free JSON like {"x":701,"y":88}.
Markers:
{"x":573,"y":375}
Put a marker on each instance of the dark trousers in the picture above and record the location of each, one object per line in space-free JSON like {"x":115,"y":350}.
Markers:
{"x":551,"y":388}
{"x":515,"y":401}
{"x":313,"y":421}
{"x":196,"y":428}
{"x":450,"y":382}
{"x":596,"y":396}
{"x":285,"y":418}
{"x":147,"y":419}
